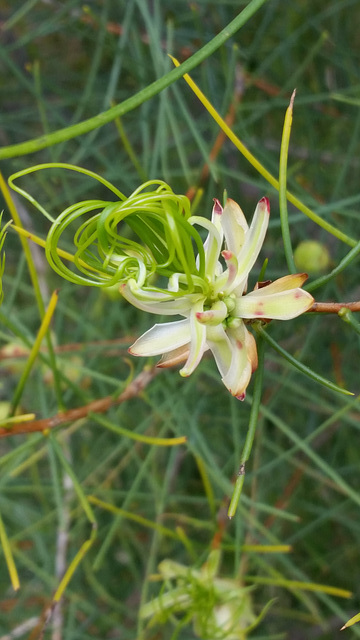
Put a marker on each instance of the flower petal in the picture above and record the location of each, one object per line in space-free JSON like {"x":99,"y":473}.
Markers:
{"x":225,"y":280}
{"x":251,"y":349}
{"x":162,"y":338}
{"x":282,"y":305}
{"x":292,"y":281}
{"x":212,"y":244}
{"x":243,"y":361}
{"x":219,"y":343}
{"x":177,"y":356}
{"x":197,"y":340}
{"x":215,"y":315}
{"x":253,"y":242}
{"x":156,"y":302}
{"x":235,"y":226}
{"x":235,"y":356}
{"x":216,"y":214}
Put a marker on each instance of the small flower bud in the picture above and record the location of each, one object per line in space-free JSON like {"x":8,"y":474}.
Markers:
{"x":230,"y":302}
{"x":233,"y":323}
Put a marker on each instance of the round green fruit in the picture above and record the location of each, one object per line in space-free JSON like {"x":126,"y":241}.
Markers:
{"x":312,"y":257}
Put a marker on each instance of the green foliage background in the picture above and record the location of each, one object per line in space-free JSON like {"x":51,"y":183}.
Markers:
{"x":62,"y":62}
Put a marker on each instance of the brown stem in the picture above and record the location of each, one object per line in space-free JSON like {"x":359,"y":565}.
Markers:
{"x":333,"y":307}
{"x":114,"y":346}
{"x":97,"y":406}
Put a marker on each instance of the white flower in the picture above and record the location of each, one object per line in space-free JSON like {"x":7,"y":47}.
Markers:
{"x":215,"y":311}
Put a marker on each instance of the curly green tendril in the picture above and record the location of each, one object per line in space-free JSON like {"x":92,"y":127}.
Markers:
{"x":157,"y":238}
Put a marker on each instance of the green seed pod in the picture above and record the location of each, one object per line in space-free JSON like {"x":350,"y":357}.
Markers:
{"x":312,"y":257}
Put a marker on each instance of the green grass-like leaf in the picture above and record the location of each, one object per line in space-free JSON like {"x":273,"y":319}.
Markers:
{"x":61,"y":65}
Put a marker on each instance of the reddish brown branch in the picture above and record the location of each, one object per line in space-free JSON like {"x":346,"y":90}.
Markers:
{"x":97,"y":406}
{"x":15,"y":350}
{"x":333,"y":307}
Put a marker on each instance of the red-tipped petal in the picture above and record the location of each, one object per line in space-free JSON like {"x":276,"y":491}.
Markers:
{"x":265,"y":201}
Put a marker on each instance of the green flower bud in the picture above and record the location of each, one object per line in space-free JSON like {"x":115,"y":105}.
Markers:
{"x":233,"y":323}
{"x":230,"y":302}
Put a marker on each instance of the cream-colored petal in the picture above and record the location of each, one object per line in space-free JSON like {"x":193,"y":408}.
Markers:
{"x":215,"y":315}
{"x":175,"y":357}
{"x":235,"y":226}
{"x":162,"y":338}
{"x":158,"y":303}
{"x":292,"y":281}
{"x":251,"y":349}
{"x":212,"y":244}
{"x":219,"y":343}
{"x":242,"y":361}
{"x":216,"y":215}
{"x":283,"y":305}
{"x":227,"y":277}
{"x":254,"y":239}
{"x":197,"y":341}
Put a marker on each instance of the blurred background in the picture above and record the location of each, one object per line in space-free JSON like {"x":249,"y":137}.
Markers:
{"x":63,"y":62}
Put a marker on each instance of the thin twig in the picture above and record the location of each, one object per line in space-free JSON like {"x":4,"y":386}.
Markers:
{"x":97,"y":406}
{"x":22,"y":628}
{"x":62,"y":542}
{"x":12,"y":351}
{"x":333,"y":307}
